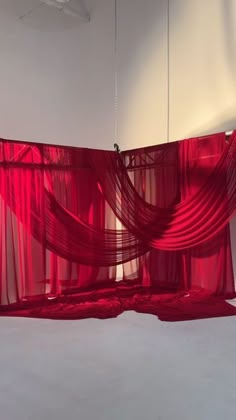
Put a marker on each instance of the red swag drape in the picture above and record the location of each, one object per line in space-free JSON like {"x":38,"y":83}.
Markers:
{"x":60,"y":245}
{"x":168,"y":174}
{"x":180,"y":226}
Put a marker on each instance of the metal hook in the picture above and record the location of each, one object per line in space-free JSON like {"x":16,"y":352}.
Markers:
{"x":116,"y":147}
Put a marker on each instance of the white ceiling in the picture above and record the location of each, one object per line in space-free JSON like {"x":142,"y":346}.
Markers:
{"x":43,"y":17}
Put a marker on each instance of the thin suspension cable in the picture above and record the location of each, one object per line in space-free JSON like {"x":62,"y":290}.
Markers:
{"x":168,"y":71}
{"x":115,"y":77}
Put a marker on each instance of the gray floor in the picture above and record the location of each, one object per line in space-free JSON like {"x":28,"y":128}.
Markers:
{"x":130,"y":368}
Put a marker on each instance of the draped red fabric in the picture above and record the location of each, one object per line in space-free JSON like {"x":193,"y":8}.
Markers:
{"x":180,"y":226}
{"x":154,"y":173}
{"x":29,"y":266}
{"x":83,"y":237}
{"x":168,"y":174}
{"x":73,"y":219}
{"x":209,"y":265}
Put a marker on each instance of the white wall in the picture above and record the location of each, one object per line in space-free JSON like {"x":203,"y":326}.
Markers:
{"x":202,"y":67}
{"x":142,"y":72}
{"x":202,"y":83}
{"x":57,"y":75}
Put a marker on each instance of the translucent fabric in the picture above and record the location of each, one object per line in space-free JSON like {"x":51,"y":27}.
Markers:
{"x":59,"y":208}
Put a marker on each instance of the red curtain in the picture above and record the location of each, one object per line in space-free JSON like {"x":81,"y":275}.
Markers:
{"x":163,"y":176}
{"x":29,"y":268}
{"x":59,"y":208}
{"x":209,"y":265}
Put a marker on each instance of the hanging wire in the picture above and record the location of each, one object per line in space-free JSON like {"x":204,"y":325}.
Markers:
{"x":115,"y":81}
{"x":116,"y":146}
{"x":168,"y":71}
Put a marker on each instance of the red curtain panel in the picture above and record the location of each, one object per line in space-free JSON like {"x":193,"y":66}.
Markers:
{"x":60,"y":241}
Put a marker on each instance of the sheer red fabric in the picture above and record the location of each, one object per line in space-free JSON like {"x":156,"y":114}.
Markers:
{"x":59,"y":208}
{"x":209,"y":265}
{"x":191,"y":222}
{"x":154,"y":173}
{"x":30,"y":230}
{"x":169,"y":174}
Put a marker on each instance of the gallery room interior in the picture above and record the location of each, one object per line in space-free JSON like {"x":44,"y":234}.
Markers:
{"x":117,"y":205}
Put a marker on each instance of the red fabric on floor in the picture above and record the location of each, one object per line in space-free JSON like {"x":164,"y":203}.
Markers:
{"x":112,"y":301}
